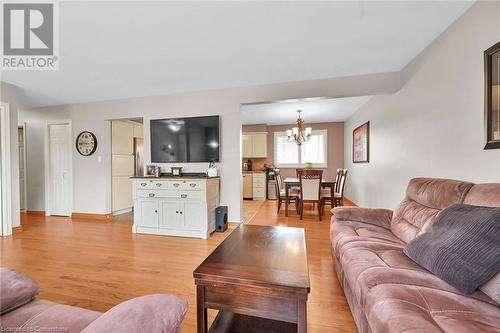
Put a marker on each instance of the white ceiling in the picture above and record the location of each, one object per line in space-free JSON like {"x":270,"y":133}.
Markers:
{"x":112,"y":50}
{"x":313,"y":110}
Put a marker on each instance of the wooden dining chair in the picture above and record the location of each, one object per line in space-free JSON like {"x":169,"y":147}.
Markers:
{"x":326,"y":193}
{"x":310,"y":189}
{"x":293,"y":194}
{"x":339,"y":190}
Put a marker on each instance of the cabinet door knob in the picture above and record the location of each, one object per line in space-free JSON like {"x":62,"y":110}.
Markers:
{"x":176,"y":212}
{"x":143,"y":184}
{"x":156,"y":211}
{"x":151,"y":195}
{"x":176,"y":185}
{"x":184,"y":196}
{"x":180,"y":213}
{"x":192,"y":185}
{"x":158,"y":184}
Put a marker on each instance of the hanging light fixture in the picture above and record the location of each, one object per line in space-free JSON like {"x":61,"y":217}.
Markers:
{"x":299,"y":134}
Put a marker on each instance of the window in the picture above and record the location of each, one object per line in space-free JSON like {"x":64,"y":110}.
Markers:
{"x":290,"y":155}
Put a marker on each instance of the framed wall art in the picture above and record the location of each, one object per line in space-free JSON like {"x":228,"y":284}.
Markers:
{"x":492,"y":96}
{"x":361,"y":144}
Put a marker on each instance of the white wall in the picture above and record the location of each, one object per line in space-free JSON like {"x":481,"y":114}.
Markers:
{"x":433,"y":126}
{"x":92,"y":180}
{"x":8,"y":94}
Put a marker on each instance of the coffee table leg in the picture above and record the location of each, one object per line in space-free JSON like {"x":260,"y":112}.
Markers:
{"x":302,"y":317}
{"x":201,"y":309}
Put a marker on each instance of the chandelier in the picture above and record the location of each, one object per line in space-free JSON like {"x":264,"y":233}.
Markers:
{"x":299,"y":134}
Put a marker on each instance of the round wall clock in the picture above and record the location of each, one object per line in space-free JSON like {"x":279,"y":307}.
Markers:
{"x":86,"y":143}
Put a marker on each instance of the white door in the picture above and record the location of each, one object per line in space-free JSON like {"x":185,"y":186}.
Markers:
{"x":60,"y":169}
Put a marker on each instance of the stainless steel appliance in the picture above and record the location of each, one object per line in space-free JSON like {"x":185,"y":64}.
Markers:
{"x":138,"y":157}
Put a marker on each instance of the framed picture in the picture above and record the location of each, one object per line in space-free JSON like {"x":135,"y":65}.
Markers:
{"x":152,"y":170}
{"x":492,"y":96}
{"x":361,"y":144}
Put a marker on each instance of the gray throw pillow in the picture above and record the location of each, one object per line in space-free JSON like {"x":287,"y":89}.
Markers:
{"x":16,"y":290}
{"x":462,"y":247}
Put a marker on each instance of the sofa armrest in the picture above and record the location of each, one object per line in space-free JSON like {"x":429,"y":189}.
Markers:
{"x":376,"y":216}
{"x":145,"y":314}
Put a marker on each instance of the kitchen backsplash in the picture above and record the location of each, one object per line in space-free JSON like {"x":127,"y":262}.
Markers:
{"x":258,"y":164}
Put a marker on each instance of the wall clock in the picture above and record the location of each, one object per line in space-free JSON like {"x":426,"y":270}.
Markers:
{"x":86,"y":143}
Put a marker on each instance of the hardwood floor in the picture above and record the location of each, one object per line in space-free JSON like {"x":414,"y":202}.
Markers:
{"x":97,"y":264}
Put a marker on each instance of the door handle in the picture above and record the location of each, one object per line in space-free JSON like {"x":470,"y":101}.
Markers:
{"x":151,"y":195}
{"x":184,"y":196}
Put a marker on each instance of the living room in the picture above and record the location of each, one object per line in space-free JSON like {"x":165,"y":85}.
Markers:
{"x":427,"y":73}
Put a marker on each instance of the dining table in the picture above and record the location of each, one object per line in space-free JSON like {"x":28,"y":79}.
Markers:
{"x":293,"y":182}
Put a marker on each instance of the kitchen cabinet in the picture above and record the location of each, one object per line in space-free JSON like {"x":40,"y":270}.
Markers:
{"x":175,"y":207}
{"x":247,"y":186}
{"x":259,"y":186}
{"x":254,"y":145}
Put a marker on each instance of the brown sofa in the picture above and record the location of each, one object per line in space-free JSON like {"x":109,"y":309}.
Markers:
{"x":387,"y":291}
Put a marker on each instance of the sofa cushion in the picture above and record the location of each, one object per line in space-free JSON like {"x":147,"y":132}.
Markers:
{"x":400,"y":308}
{"x":44,"y":314}
{"x":17,"y":290}
{"x":462,"y":246}
{"x":492,"y":288}
{"x":151,"y":313}
{"x":425,"y":198}
{"x":345,"y":232}
{"x":487,"y":195}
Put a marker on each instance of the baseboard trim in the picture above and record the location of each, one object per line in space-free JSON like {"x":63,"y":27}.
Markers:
{"x":122,"y":211}
{"x":35,"y":212}
{"x":349,"y":202}
{"x":18,"y":229}
{"x":89,"y":216}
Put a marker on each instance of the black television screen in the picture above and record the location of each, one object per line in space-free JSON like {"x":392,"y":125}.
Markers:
{"x":185,"y":139}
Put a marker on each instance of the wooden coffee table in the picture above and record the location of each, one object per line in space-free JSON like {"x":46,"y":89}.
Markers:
{"x":258,"y":280}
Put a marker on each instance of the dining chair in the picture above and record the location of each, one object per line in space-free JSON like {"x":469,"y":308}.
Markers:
{"x":293,"y":194}
{"x":339,"y":190}
{"x":338,"y":199}
{"x":326,"y":193}
{"x":310,"y":189}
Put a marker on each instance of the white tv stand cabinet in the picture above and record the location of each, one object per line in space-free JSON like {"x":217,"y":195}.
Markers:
{"x":182,"y":206}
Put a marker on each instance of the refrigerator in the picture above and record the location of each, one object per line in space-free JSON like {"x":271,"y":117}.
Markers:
{"x":138,"y":157}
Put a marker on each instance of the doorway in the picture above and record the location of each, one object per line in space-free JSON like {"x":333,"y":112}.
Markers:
{"x":126,"y":161}
{"x":58,"y":169}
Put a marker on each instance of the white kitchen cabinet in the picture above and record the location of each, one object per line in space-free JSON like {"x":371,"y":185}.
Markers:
{"x":259,"y":145}
{"x":246,"y":146}
{"x":259,"y":186}
{"x":247,"y":186}
{"x":254,"y":145}
{"x":175,"y":206}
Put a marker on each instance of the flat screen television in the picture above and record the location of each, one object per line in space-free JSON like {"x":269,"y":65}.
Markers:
{"x":185,"y":140}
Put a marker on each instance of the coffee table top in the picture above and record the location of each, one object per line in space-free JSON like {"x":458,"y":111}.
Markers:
{"x":260,"y":256}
